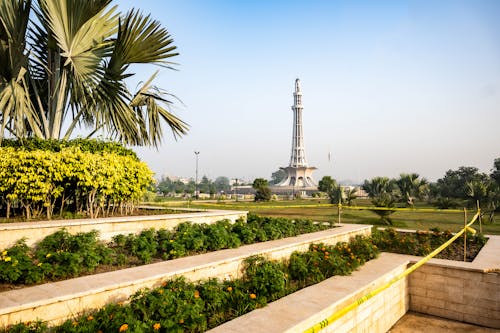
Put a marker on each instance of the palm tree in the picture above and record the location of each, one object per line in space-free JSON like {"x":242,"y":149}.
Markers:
{"x":378,"y":186}
{"x":63,"y":64}
{"x":351,"y":194}
{"x":381,"y":192}
{"x":411,"y":187}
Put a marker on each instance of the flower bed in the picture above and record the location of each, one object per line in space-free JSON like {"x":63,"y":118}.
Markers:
{"x":421,"y":243}
{"x":180,"y":306}
{"x":61,"y":255}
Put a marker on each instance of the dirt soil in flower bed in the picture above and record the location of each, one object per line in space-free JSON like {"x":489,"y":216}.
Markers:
{"x":456,"y":251}
{"x":422,"y":243}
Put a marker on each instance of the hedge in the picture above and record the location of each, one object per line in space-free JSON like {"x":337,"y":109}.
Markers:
{"x":87,"y":181}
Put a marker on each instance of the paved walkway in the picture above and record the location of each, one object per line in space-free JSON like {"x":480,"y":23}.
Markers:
{"x":419,"y":323}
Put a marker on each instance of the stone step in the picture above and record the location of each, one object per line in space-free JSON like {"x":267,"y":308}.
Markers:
{"x":55,"y":302}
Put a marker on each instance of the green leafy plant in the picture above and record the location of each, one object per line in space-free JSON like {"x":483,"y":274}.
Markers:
{"x":62,"y":255}
{"x":179,"y":306}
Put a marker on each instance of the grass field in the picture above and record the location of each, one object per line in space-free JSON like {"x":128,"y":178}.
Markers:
{"x":320,"y":210}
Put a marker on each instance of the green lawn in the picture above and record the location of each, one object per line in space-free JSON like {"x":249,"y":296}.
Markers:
{"x":320,"y":210}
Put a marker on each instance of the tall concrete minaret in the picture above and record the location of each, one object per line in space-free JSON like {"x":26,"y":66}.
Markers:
{"x":298,"y":156}
{"x":299,"y":174}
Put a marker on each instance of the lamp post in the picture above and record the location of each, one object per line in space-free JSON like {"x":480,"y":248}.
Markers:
{"x":234,"y":189}
{"x":196,"y":179}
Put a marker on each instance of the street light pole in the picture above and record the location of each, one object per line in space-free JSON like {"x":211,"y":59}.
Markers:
{"x":196,"y":179}
{"x":234,"y":189}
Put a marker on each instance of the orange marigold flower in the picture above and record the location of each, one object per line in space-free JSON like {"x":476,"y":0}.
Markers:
{"x":253,"y":296}
{"x":196,"y":294}
{"x":156,"y":326}
{"x":229,"y":289}
{"x":123,"y":328}
{"x":89,"y":318}
{"x":181,"y":321}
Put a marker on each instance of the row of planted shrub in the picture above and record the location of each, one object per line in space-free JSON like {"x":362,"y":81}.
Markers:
{"x":421,"y":243}
{"x":87,"y":177}
{"x":179,"y":306}
{"x":62,"y":255}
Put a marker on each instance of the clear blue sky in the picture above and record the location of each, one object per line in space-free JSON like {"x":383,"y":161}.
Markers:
{"x":388,"y":86}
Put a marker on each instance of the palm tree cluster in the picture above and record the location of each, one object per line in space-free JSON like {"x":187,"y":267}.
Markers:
{"x":64,"y":63}
{"x":385,"y":192}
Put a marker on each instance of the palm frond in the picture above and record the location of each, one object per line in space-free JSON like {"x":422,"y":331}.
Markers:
{"x":82,"y":30}
{"x":147,"y":104}
{"x":141,"y":39}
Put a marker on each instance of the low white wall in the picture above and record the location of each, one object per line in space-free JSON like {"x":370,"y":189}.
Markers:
{"x":461,"y":291}
{"x":108,"y":227}
{"x":305,"y":308}
{"x":55,"y":302}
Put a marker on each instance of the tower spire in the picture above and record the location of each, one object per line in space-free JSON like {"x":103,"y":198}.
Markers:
{"x":299,"y":174}
{"x":298,"y":156}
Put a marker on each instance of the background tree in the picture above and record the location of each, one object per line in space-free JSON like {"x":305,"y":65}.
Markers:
{"x":65,"y":62}
{"x":262,"y":191}
{"x":222,"y":184}
{"x":329,"y":185}
{"x":165,"y":186}
{"x":411,"y":187}
{"x":493,"y":200}
{"x":326,"y":184}
{"x":495,"y":172}
{"x":381,"y":191}
{"x":454,"y":188}
{"x":190,"y":187}
{"x":204,"y":185}
{"x":278,"y":176}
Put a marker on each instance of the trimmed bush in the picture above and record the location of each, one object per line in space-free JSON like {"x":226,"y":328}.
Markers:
{"x":93,"y":181}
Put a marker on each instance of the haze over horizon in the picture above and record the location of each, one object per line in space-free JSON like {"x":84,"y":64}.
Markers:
{"x":388,"y":87}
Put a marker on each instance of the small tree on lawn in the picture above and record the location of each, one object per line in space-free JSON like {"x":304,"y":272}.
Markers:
{"x":262,"y":191}
{"x":329,"y":185}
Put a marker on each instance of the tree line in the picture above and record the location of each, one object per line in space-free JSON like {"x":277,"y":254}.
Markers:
{"x":168,"y":187}
{"x":464,"y":187}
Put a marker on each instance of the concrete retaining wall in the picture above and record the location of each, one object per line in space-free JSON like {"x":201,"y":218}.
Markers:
{"x":108,"y":227}
{"x":456,"y":293}
{"x":303,"y":309}
{"x":55,"y":302}
{"x":461,"y":291}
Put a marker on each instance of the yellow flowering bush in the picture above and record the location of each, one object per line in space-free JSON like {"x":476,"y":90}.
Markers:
{"x":35,"y":182}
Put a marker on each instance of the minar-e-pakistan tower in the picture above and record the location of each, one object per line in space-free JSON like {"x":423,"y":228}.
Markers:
{"x":299,"y":174}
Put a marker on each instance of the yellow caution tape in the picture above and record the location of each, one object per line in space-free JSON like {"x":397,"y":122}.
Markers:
{"x":324,"y":323}
{"x":471,"y":230}
{"x":422,"y":210}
